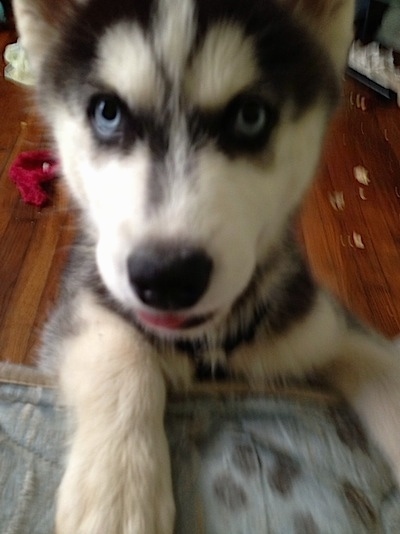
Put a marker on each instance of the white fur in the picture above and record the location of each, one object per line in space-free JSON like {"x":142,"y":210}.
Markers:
{"x":224,"y":66}
{"x":137,"y":80}
{"x":34,"y":42}
{"x":309,"y":345}
{"x":117,"y":478}
{"x":174,"y":34}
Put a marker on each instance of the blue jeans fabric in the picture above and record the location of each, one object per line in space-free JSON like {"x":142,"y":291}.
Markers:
{"x":282,"y":463}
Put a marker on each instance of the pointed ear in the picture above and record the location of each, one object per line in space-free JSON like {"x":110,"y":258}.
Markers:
{"x":39,"y":23}
{"x":331,"y":21}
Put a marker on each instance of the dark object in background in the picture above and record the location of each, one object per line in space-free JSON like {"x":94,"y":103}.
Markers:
{"x":369,"y":14}
{"x":6,"y":18}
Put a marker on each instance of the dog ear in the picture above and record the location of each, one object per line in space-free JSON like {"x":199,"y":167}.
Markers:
{"x":331,"y":21}
{"x":39,"y":22}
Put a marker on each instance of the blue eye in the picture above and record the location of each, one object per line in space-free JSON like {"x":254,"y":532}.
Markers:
{"x":106,"y":114}
{"x":251,"y":119}
{"x":247,"y":124}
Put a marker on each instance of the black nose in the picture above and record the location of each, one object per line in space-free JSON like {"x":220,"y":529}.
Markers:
{"x":169,"y":277}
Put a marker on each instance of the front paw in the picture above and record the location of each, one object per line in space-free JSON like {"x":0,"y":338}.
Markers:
{"x":91,"y":503}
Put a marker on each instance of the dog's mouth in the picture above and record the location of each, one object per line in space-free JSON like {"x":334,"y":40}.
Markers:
{"x":170,"y":322}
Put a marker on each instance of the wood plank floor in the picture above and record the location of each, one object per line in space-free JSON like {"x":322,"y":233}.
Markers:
{"x":33,"y":242}
{"x":351,"y":228}
{"x":340,"y":216}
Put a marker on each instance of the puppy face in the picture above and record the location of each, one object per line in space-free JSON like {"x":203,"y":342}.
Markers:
{"x":188,"y":132}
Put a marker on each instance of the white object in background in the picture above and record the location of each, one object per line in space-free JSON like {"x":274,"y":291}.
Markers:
{"x":18,"y":69}
{"x":376,"y":64}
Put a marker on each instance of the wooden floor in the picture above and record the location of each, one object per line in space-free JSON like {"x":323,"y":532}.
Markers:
{"x":33,"y":242}
{"x":350,"y":228}
{"x":351,"y":218}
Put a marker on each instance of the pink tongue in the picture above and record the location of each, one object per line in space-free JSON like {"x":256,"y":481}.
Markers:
{"x":172,"y":322}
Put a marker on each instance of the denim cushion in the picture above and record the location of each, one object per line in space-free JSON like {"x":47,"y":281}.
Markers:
{"x":287,"y":462}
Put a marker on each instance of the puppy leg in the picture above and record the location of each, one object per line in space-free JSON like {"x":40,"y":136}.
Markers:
{"x":117,"y":478}
{"x":368,"y":375}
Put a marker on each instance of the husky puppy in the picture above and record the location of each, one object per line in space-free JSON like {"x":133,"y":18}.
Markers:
{"x":188,"y":132}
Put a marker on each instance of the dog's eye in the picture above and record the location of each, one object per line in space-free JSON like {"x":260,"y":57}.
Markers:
{"x":251,"y":119}
{"x":106,"y":115}
{"x":247,"y":123}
